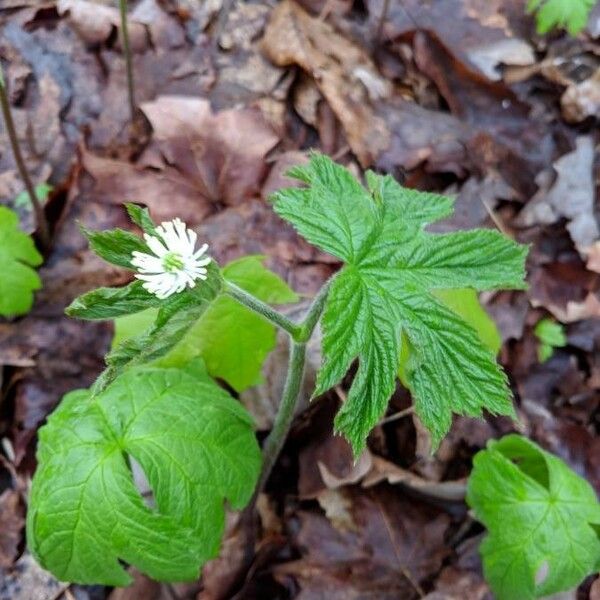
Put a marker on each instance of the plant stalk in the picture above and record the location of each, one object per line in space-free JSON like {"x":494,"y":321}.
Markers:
{"x":291,"y":390}
{"x":40,"y":216}
{"x":264,"y":310}
{"x":285,"y":412}
{"x":128,"y":61}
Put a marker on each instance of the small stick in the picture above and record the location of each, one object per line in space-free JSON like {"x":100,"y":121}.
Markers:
{"x":40,"y":217}
{"x":128,"y":61}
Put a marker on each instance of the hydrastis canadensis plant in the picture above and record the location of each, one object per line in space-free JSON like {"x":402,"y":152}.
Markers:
{"x":402,"y":306}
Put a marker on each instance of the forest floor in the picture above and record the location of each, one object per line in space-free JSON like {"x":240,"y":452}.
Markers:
{"x":454,"y":96}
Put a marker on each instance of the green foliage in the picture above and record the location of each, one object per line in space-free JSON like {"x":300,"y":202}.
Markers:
{"x":542,"y":520}
{"x":197,"y":448}
{"x":551,"y":335}
{"x":232,"y":340}
{"x":570,"y":14}
{"x":17,"y":255}
{"x":42,"y":191}
{"x":115,"y":246}
{"x":382,"y":298}
{"x":465,"y":304}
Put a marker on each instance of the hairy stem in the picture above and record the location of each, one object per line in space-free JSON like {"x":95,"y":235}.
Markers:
{"x":40,"y":216}
{"x":291,"y":390}
{"x":128,"y":61}
{"x":264,"y":310}
{"x":285,"y":413}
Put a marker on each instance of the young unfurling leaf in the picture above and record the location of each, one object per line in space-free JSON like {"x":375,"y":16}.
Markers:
{"x":17,"y":256}
{"x":542,"y":520}
{"x":197,"y":448}
{"x":385,"y":290}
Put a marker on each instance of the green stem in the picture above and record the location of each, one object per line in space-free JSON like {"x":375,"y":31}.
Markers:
{"x":285,"y":412}
{"x":40,"y":216}
{"x":264,"y":310}
{"x":128,"y":61}
{"x":291,"y":390}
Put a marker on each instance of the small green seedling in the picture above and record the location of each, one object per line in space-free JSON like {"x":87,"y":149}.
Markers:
{"x":42,"y":191}
{"x":403,"y":305}
{"x":570,"y":14}
{"x":551,"y":335}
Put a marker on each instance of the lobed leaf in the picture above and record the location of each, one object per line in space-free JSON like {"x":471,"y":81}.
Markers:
{"x":542,"y":520}
{"x":382,"y":307}
{"x":197,"y":449}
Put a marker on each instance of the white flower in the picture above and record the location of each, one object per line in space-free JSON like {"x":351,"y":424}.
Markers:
{"x":175,"y":263}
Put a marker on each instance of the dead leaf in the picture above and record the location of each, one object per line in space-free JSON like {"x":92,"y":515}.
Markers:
{"x":337,"y":509}
{"x":166,"y":191}
{"x":383,"y":470}
{"x":11,"y":525}
{"x":222,"y":155}
{"x":28,"y":581}
{"x":508,"y":51}
{"x":393,"y":546}
{"x":503,"y":135}
{"x":466,"y":26}
{"x":95,"y":22}
{"x":571,"y":197}
{"x":582,"y":100}
{"x":593,"y":258}
{"x":342,"y":71}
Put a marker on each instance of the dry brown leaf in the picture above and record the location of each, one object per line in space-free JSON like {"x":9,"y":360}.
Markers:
{"x":383,"y":470}
{"x":11,"y":524}
{"x":582,"y":100}
{"x":166,"y":192}
{"x":571,"y":197}
{"x":95,"y":22}
{"x":342,"y":71}
{"x":222,"y":155}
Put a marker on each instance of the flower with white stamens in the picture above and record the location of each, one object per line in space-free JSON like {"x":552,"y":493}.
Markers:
{"x":175,"y":263}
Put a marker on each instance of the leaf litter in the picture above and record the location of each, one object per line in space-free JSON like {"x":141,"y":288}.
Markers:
{"x":460,"y":97}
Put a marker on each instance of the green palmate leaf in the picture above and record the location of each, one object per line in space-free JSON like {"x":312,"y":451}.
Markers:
{"x":542,"y":520}
{"x":197,"y":449}
{"x":382,"y":300}
{"x":232,"y":340}
{"x":17,"y":255}
{"x":570,"y":14}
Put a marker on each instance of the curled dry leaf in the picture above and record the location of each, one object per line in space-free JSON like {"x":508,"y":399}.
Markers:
{"x":383,"y":470}
{"x":342,"y":71}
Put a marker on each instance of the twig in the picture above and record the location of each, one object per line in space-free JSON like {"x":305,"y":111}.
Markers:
{"x":399,"y":415}
{"x":128,"y":61}
{"x":40,"y":216}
